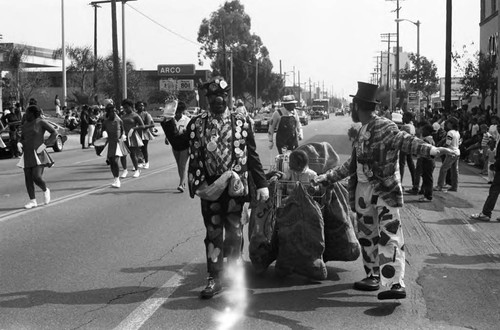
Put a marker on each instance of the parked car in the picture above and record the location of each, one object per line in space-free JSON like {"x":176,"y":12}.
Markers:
{"x":339,"y":112}
{"x":262,"y":119}
{"x":303,"y":117}
{"x":319,"y":111}
{"x":57,"y":146}
{"x":397,"y":117}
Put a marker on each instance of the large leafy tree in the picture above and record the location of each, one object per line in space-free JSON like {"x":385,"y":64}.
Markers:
{"x":426,"y":71}
{"x":478,"y":75}
{"x":227,"y":32}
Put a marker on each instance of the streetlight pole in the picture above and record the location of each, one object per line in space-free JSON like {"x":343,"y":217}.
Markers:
{"x":417,"y":24}
{"x":231,"y":83}
{"x":64,"y":91}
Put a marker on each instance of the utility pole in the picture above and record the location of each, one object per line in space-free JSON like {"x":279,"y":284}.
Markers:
{"x":310,"y":92}
{"x":116,"y":61}
{"x":447,"y":79}
{"x":386,"y":37}
{"x":95,"y":5}
{"x":397,"y":41}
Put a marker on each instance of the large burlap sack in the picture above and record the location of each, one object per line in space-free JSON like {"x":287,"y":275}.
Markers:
{"x":300,"y":235}
{"x":341,"y":243}
{"x":262,"y":249}
{"x":322,"y":156}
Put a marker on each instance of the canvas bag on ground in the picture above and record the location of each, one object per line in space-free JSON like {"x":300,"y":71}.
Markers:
{"x":262,"y":250}
{"x":300,"y":234}
{"x":341,"y":243}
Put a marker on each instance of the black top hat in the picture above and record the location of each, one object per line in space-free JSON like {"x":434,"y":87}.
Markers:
{"x":366,"y":92}
{"x":216,"y":86}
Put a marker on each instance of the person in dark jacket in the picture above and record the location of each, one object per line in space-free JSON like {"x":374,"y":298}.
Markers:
{"x":219,"y":142}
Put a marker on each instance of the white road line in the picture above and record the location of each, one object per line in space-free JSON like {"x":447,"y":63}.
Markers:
{"x":141,"y":314}
{"x":9,"y":215}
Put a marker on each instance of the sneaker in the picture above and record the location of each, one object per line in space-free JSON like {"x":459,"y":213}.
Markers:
{"x":371,"y":283}
{"x":438,"y":188}
{"x":32,"y":203}
{"x":412,"y":191}
{"x":124,"y":174}
{"x":46,"y":196}
{"x":91,"y":146}
{"x":136,"y":173}
{"x":180,"y":188}
{"x":452,"y":189}
{"x":213,"y":287}
{"x":396,"y":292}
{"x":480,"y":217}
{"x":145,"y":165}
{"x":116,"y":183}
{"x":424,"y":199}
{"x":140,"y":165}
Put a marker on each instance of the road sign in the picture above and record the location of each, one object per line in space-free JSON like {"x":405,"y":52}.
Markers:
{"x":168,"y":85}
{"x":176,"y":69}
{"x":181,"y":85}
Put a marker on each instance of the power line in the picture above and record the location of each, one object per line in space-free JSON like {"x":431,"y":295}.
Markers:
{"x":164,"y":27}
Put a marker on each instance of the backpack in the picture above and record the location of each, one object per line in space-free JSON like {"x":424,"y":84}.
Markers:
{"x":287,"y":131}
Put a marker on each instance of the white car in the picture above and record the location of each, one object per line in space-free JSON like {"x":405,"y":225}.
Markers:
{"x":397,"y":118}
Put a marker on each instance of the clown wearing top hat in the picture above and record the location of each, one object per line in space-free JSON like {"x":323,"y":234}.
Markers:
{"x":376,"y":194}
{"x":219,"y":141}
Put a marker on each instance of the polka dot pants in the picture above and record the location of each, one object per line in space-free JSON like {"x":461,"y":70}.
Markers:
{"x":381,"y":236}
{"x":219,"y":216}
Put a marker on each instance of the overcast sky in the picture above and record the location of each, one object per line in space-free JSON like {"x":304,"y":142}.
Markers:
{"x":334,"y":41}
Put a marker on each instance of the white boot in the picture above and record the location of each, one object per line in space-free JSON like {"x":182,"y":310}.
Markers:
{"x":46,"y":195}
{"x":116,"y":183}
{"x":31,"y":204}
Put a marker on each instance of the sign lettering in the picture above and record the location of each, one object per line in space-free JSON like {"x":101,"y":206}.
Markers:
{"x":176,"y":69}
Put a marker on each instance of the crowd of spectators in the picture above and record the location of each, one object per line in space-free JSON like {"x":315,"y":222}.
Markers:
{"x":478,"y":134}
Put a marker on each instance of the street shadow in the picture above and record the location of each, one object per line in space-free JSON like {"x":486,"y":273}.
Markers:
{"x":266,"y":294}
{"x":110,"y":296}
{"x":440,"y":201}
{"x":456,"y":259}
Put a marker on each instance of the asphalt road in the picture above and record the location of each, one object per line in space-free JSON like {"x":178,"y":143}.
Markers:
{"x":130,"y":258}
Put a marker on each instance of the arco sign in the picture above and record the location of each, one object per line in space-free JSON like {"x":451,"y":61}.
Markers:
{"x":176,"y":69}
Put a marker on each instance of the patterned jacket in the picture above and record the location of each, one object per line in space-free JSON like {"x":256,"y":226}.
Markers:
{"x":378,"y":151}
{"x":244,"y":155}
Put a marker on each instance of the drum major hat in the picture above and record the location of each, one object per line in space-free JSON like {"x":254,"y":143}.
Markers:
{"x":366,"y":92}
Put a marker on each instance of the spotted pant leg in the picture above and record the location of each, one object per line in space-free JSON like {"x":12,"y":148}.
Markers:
{"x":233,"y":240}
{"x":368,"y":231}
{"x":213,"y":216}
{"x":391,"y":245}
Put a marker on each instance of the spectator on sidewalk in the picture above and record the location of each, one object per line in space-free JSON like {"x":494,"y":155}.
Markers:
{"x":450,"y":161}
{"x":84,"y":125}
{"x":494,"y":191}
{"x":406,"y":158}
{"x":425,"y":167}
{"x":491,"y":159}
